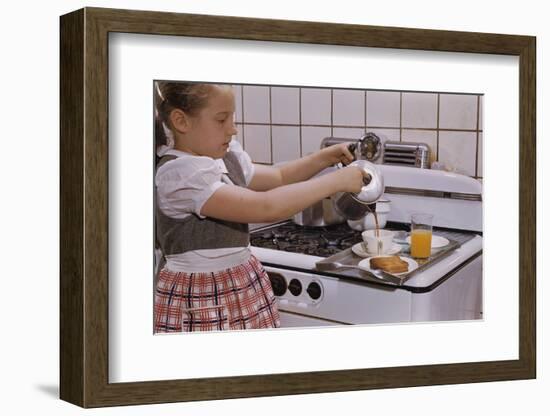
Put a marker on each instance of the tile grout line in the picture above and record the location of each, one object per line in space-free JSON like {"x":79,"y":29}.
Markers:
{"x":331,"y":112}
{"x":242,"y":115}
{"x":300,"y":120}
{"x":477,"y":137}
{"x":360,"y":127}
{"x":401,"y":116}
{"x":365,"y":114}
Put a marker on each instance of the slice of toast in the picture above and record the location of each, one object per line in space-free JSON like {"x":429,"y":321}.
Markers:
{"x":390,"y":264}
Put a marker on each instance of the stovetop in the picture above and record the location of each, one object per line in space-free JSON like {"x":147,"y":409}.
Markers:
{"x":288,"y":246}
{"x":315,"y":241}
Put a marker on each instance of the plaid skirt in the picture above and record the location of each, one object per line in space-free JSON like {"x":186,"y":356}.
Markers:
{"x":240,"y":297}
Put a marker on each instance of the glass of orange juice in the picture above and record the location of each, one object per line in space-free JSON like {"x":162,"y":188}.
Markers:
{"x":421,"y":235}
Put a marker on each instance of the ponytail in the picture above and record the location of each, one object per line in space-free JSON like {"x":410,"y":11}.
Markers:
{"x":170,"y":95}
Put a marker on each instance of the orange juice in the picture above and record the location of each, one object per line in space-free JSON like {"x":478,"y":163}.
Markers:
{"x":421,"y":243}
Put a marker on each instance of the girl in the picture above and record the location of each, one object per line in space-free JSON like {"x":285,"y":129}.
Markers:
{"x":207,"y":191}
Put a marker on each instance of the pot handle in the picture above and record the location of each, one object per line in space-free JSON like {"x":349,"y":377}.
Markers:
{"x":352,"y":147}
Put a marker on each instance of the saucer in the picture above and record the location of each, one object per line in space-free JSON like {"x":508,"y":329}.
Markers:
{"x":365,"y":265}
{"x":360,"y":251}
{"x":437,"y":241}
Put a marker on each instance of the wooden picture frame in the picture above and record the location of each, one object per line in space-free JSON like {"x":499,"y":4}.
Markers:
{"x":84,"y":207}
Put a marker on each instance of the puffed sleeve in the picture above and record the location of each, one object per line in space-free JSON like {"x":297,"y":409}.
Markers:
{"x":186,"y":183}
{"x":244,"y":160}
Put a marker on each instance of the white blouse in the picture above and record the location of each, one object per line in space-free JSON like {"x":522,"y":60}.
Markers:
{"x":185,"y":184}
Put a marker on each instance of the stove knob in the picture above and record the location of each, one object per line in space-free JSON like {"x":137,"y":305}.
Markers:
{"x":278,"y":283}
{"x":314,"y":290}
{"x":295,"y":287}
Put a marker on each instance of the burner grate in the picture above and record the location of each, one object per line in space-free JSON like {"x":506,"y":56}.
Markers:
{"x":316,"y":241}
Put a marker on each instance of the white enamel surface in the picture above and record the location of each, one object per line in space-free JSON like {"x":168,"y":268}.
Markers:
{"x":458,"y":298}
{"x":435,"y":180}
{"x":457,"y":214}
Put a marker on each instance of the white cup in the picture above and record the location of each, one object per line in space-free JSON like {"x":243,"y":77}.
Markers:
{"x":377,"y":244}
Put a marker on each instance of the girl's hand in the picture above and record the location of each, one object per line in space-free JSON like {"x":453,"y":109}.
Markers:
{"x":351,"y":179}
{"x":337,"y":153}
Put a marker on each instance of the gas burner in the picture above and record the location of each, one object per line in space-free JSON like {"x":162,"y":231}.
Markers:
{"x":331,"y":241}
{"x":316,"y":241}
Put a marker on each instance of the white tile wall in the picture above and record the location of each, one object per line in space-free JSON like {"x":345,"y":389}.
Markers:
{"x":285,"y":105}
{"x":419,"y":110}
{"x":286,"y":143}
{"x":480,"y":155}
{"x":457,"y":151}
{"x":348,"y":107}
{"x":312,"y":137}
{"x":256,"y":104}
{"x":237,"y":92}
{"x":480,"y":124}
{"x":316,"y":106}
{"x":350,"y":133}
{"x":257,"y":143}
{"x":383,"y":109}
{"x":458,"y":111}
{"x":284,"y":123}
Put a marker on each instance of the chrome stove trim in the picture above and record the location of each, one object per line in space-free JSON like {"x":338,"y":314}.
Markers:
{"x":433,"y":194}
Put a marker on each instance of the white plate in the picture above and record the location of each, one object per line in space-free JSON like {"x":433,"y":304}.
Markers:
{"x":365,"y":265}
{"x":360,"y":251}
{"x":437,"y":241}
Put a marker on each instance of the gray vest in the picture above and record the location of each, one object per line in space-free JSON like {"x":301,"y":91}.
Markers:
{"x":175,"y":236}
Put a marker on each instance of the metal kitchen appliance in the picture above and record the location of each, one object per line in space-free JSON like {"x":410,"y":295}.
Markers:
{"x":366,"y":148}
{"x":355,"y":206}
{"x":445,"y":287}
{"x":345,"y":206}
{"x":407,"y":154}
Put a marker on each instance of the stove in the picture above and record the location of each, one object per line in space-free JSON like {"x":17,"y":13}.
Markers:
{"x":444,"y":290}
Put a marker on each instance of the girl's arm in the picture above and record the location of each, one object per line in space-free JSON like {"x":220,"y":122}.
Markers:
{"x":234,"y":203}
{"x":269,"y":177}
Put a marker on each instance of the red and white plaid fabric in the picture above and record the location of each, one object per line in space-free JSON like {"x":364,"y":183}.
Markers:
{"x":237,"y":298}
